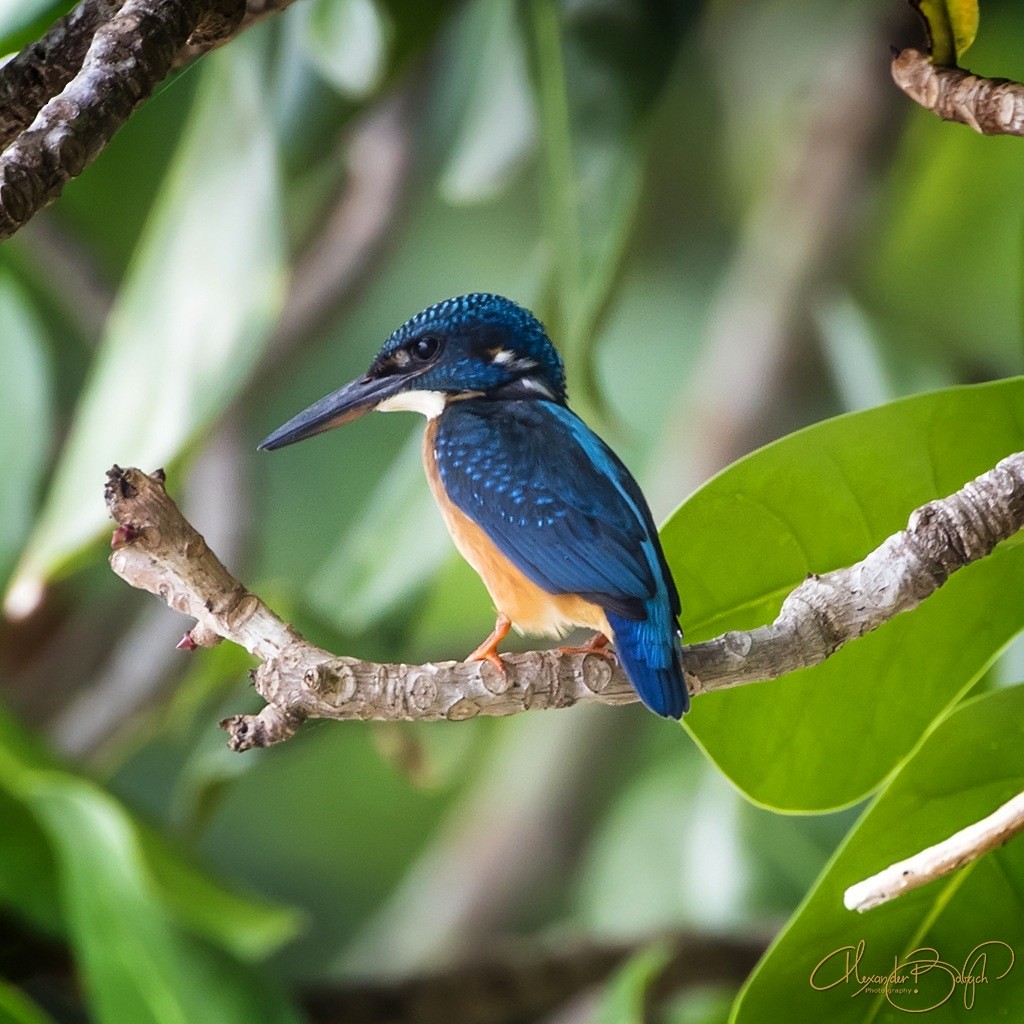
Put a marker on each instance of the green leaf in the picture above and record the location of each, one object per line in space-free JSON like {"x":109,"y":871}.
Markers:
{"x":952,"y":26}
{"x":247,"y":927}
{"x":623,"y":1002}
{"x":28,"y":872}
{"x":16,"y":1008}
{"x":138,"y":964}
{"x":29,"y":868}
{"x":966,"y":767}
{"x":347,"y":42}
{"x":818,"y":500}
{"x":26,"y":418}
{"x":190,"y":321}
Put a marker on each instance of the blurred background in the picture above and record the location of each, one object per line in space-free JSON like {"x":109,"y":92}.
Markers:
{"x":733,"y":225}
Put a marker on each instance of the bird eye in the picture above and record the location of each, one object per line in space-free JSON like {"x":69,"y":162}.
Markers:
{"x":425,"y":347}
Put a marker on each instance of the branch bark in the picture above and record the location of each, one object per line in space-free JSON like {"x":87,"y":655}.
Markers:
{"x":64,"y":97}
{"x":991,"y":106}
{"x":41,"y":70}
{"x":939,"y":860}
{"x":157,"y":550}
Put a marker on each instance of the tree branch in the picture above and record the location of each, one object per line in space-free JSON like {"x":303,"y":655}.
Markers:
{"x":43,"y":68}
{"x":991,"y":106}
{"x":157,"y":550}
{"x":939,"y":860}
{"x":66,"y":113}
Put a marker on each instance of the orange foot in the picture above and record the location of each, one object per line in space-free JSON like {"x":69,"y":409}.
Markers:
{"x":488,"y":650}
{"x":597,"y":644}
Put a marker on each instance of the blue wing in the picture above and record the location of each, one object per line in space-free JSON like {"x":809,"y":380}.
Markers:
{"x":560,"y":506}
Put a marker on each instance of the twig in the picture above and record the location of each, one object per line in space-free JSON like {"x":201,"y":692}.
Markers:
{"x":991,"y":106}
{"x":939,"y":860}
{"x":128,"y":56}
{"x":157,"y":550}
{"x":255,"y":12}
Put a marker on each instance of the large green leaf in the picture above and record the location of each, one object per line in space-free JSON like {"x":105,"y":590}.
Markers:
{"x":967,"y":766}
{"x":25,"y":418}
{"x":39,"y":842}
{"x":247,"y":927}
{"x":818,"y":500}
{"x":139,"y":965}
{"x":16,"y":1008}
{"x":191,"y":319}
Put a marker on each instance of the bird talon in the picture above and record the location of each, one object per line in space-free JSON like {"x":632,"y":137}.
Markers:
{"x":488,"y":650}
{"x":597,"y":644}
{"x":495,"y":659}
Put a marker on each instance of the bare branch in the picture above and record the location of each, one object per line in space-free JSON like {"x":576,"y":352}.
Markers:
{"x":157,"y":550}
{"x":991,"y":106}
{"x":128,"y":56}
{"x":42,"y":69}
{"x":939,"y":860}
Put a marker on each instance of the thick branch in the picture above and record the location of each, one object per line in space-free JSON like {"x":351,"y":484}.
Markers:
{"x":156,"y":549}
{"x":939,"y":860}
{"x":127,"y":57}
{"x":43,"y":68}
{"x":991,"y":106}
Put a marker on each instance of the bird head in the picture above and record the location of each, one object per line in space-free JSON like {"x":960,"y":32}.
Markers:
{"x":474,"y":345}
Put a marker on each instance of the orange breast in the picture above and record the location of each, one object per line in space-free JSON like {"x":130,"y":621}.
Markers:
{"x":531,"y":609}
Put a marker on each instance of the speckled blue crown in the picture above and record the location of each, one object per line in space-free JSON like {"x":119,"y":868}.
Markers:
{"x":479,"y":322}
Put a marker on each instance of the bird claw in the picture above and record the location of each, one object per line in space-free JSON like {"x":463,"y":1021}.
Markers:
{"x":492,"y":657}
{"x":488,"y":650}
{"x":597,"y":644}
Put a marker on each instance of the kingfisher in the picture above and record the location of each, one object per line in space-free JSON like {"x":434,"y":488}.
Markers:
{"x":534,"y":500}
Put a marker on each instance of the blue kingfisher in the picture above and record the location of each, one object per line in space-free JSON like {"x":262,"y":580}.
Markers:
{"x":535,"y":501}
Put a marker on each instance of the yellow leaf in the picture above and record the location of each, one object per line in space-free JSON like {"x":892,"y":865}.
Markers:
{"x":951,"y":25}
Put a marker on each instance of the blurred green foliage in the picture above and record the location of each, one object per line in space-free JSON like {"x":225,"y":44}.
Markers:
{"x":616,"y":166}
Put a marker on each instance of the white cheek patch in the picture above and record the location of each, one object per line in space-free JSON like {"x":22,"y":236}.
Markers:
{"x":503,"y":357}
{"x":429,"y":403}
{"x":532,"y":384}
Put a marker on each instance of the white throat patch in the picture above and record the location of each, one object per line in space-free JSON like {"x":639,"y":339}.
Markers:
{"x":430,"y":403}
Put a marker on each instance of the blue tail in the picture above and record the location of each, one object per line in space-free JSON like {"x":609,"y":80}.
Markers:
{"x":651,"y":653}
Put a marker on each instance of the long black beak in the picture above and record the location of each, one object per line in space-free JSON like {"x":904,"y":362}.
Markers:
{"x":345,"y":404}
